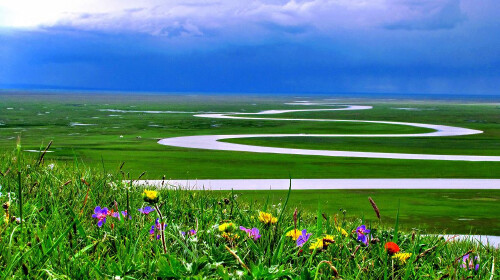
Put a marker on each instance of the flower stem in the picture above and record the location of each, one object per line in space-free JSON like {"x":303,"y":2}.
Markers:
{"x":162,"y":229}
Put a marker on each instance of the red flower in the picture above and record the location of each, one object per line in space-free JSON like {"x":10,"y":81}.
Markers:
{"x":391,"y":247}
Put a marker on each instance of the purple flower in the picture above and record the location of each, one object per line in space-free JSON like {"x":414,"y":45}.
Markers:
{"x":252,"y":233}
{"x":146,"y":210}
{"x":468,"y":262}
{"x":190,"y":232}
{"x":362,"y":231}
{"x":100,"y":215}
{"x":157,"y":227}
{"x":302,"y":239}
{"x":115,"y":215}
{"x":124,"y":213}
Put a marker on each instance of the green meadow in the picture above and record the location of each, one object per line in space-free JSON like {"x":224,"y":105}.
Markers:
{"x":436,"y":211}
{"x":110,"y":138}
{"x":85,"y":129}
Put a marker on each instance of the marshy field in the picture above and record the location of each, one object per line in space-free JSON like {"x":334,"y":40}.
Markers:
{"x":102,"y":143}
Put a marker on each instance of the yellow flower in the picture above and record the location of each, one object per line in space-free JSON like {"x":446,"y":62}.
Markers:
{"x":320,"y":242}
{"x":226,"y":227}
{"x":342,"y":231}
{"x":267,"y":218}
{"x":230,"y":236}
{"x":294,"y":234}
{"x":402,"y":257}
{"x":317,"y":244}
{"x":150,"y":196}
{"x":329,"y":237}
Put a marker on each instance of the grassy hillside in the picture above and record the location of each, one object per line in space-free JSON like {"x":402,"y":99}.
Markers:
{"x":52,"y":228}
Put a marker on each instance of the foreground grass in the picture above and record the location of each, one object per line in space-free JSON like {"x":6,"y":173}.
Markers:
{"x":436,"y":211}
{"x":48,"y":231}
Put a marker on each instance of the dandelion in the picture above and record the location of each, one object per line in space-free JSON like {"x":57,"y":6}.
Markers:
{"x":317,"y":244}
{"x":267,"y":218}
{"x":303,"y":238}
{"x":252,"y":233}
{"x":468,"y":262}
{"x":146,"y":210}
{"x":323,"y":242}
{"x":362,"y":231}
{"x":226,"y":227}
{"x":342,"y":231}
{"x":294,"y":234}
{"x":100,"y":215}
{"x":402,"y":257}
{"x":150,"y":196}
{"x":157,"y":227}
{"x":391,"y":248}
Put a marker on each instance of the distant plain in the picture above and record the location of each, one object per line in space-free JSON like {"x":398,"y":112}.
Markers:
{"x":83,"y":129}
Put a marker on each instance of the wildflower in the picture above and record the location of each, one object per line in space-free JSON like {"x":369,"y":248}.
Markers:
{"x":316,"y":244}
{"x":468,"y":262}
{"x":294,"y":234}
{"x":125,"y":214}
{"x":100,"y":215}
{"x":302,"y":239}
{"x":342,"y":231}
{"x":146,"y":210}
{"x":402,"y":257}
{"x":157,"y":227}
{"x":230,"y":236}
{"x":362,"y":231}
{"x":226,"y":227}
{"x":227,"y":231}
{"x":51,"y":166}
{"x":321,"y":243}
{"x":267,"y":218}
{"x":252,"y":233}
{"x":190,"y":232}
{"x":114,"y":214}
{"x":150,"y":196}
{"x":391,"y":248}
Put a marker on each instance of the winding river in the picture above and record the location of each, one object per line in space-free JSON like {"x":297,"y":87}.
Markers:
{"x":212,"y":142}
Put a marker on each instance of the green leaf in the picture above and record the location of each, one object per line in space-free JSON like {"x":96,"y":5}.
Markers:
{"x":396,"y":226}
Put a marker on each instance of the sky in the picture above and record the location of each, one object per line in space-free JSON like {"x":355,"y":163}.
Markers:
{"x":247,"y":46}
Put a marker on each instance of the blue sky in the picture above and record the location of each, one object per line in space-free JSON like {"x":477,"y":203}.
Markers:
{"x":274,"y":46}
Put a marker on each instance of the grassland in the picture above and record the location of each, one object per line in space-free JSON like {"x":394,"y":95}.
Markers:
{"x":51,"y":228}
{"x":39,"y":118}
{"x":115,"y":137}
{"x":436,"y":211}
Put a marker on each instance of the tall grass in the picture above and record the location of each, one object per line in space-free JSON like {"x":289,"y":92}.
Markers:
{"x":60,"y":239}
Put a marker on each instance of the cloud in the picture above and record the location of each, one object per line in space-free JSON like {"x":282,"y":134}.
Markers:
{"x":198,"y":18}
{"x":427,"y":15}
